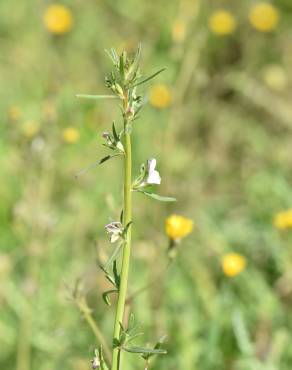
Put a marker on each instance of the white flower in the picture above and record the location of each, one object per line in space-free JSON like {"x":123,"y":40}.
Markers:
{"x":115,"y":230}
{"x":95,"y":363}
{"x":106,"y":135}
{"x":153,"y":176}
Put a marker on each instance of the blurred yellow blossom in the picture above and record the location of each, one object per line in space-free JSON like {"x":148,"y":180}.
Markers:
{"x":58,"y":19}
{"x":30,"y":129}
{"x":160,"y":96}
{"x":283,"y":220}
{"x":71,"y":135}
{"x":178,"y":30}
{"x":275,"y":77}
{"x":177,"y":227}
{"x":14,"y":113}
{"x":222,"y":22}
{"x":5,"y":265}
{"x":233,"y":264}
{"x":264,"y":17}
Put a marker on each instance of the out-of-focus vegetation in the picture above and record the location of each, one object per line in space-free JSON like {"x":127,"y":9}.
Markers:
{"x":220,"y":119}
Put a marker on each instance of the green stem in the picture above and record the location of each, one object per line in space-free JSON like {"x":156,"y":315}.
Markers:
{"x":84,"y":309}
{"x":116,"y":359}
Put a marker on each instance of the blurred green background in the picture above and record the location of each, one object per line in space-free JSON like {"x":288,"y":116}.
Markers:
{"x":219,"y":123}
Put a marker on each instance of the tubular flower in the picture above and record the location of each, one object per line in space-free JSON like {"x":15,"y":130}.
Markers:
{"x":71,"y":135}
{"x":222,"y":23}
{"x":58,"y":19}
{"x":153,"y":177}
{"x":115,"y":230}
{"x":264,"y":17}
{"x":160,"y":96}
{"x":233,"y":264}
{"x":178,"y":227}
{"x":283,"y":220}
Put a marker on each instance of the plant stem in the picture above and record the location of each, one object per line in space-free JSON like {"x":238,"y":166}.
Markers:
{"x":84,"y":309}
{"x":116,"y":359}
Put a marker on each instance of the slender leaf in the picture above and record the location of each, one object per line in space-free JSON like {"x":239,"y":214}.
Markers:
{"x":95,"y":164}
{"x":95,"y":97}
{"x":88,"y":96}
{"x":110,"y":279}
{"x":122,"y":65}
{"x":114,"y":256}
{"x":103,"y":365}
{"x":116,"y":275}
{"x":135,"y":65}
{"x":149,"y":78}
{"x":144,"y":350}
{"x":111,"y":56}
{"x":105,"y":296}
{"x":158,"y":345}
{"x":115,"y":135}
{"x":158,"y":197}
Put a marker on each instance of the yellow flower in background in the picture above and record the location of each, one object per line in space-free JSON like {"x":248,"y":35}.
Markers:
{"x":283,"y":220}
{"x":275,"y":77}
{"x":5,"y":265}
{"x":58,"y":19}
{"x":160,"y":96}
{"x":233,"y":264}
{"x":222,"y":22}
{"x":30,"y":129}
{"x":179,"y":31}
{"x":264,"y":17}
{"x":178,"y":227}
{"x":14,"y":113}
{"x":71,"y":135}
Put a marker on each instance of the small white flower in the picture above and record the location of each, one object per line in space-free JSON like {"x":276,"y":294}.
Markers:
{"x":95,"y":363}
{"x":153,"y":176}
{"x":106,"y":135}
{"x":115,"y":230}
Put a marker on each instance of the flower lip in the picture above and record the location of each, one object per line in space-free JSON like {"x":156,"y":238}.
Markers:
{"x":115,"y":230}
{"x":106,"y":135}
{"x":153,"y":176}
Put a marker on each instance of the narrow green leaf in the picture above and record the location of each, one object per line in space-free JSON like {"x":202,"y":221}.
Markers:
{"x":115,"y":135}
{"x":122,"y":66}
{"x":103,"y":365}
{"x":158,"y":197}
{"x":122,"y":216}
{"x":116,"y":275}
{"x":135,"y":65}
{"x":110,"y":279}
{"x":144,"y":350}
{"x":105,"y":296}
{"x":87,"y":96}
{"x":149,"y":78}
{"x":111,"y":56}
{"x":114,"y":256}
{"x":158,"y":345}
{"x":115,"y":55}
{"x":95,"y":164}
